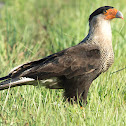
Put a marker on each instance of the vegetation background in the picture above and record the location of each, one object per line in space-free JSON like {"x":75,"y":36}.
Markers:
{"x":33,"y":29}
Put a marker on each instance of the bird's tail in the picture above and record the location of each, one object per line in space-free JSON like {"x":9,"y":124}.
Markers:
{"x":26,"y":74}
{"x":13,"y":82}
{"x":7,"y":82}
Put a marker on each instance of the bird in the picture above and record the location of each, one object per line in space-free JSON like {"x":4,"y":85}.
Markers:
{"x":72,"y":69}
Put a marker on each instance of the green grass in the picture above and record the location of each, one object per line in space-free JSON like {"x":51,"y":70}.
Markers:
{"x":33,"y":29}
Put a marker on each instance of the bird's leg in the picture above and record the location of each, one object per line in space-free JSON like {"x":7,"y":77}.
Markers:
{"x":84,"y":95}
{"x":79,"y":98}
{"x":82,"y":99}
{"x":74,"y":96}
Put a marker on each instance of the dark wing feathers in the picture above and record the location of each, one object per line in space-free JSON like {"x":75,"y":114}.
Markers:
{"x":18,"y":70}
{"x":77,"y":60}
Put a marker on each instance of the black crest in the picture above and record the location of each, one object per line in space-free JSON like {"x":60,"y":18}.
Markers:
{"x":99,"y":11}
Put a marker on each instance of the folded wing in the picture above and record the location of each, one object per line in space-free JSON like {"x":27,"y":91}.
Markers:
{"x":71,"y":62}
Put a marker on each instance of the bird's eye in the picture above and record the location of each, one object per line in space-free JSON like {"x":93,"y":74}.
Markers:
{"x":105,"y":11}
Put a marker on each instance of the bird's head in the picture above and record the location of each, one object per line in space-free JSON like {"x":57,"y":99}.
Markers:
{"x":107,"y":12}
{"x":99,"y":23}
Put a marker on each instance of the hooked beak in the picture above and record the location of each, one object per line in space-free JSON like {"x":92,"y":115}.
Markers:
{"x":119,"y":15}
{"x":113,"y":13}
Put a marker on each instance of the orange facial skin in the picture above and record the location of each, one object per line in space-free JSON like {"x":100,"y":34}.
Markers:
{"x":110,"y":13}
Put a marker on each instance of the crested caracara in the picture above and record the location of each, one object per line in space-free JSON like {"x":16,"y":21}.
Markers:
{"x":76,"y":67}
